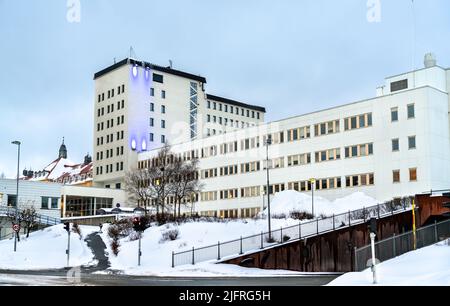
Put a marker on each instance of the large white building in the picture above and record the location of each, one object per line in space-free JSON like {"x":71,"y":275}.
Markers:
{"x":389,"y":146}
{"x":140,"y":106}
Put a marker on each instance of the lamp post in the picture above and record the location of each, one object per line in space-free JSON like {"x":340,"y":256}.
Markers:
{"x":268,"y":143}
{"x":313,"y":185}
{"x":18,"y":143}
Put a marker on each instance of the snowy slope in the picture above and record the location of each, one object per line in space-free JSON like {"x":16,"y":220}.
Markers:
{"x":429,"y":266}
{"x":46,"y":249}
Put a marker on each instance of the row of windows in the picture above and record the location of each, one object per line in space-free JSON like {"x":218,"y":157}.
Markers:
{"x":152,"y":93}
{"x":326,"y":128}
{"x":227,"y":122}
{"x":110,"y":108}
{"x":412,"y":175}
{"x":110,"y":138}
{"x":229,"y":170}
{"x":230,"y":147}
{"x":358,"y":122}
{"x":328,"y":155}
{"x":49,"y":203}
{"x":109,"y":168}
{"x":411,"y":144}
{"x":410,"y":112}
{"x":152,"y":108}
{"x":152,"y":123}
{"x":151,"y":138}
{"x":109,"y":153}
{"x":111,"y":92}
{"x":110,"y":123}
{"x":359,"y":150}
{"x":232,"y":109}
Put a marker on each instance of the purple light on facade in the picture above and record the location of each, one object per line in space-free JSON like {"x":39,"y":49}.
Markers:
{"x":135,"y":70}
{"x":144,"y":145}
{"x":133,"y":145}
{"x":147,"y":73}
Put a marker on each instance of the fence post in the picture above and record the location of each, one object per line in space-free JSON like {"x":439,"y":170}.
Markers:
{"x":193,"y":256}
{"x":378,"y":210}
{"x":299,"y":230}
{"x":173,"y":259}
{"x":364,"y":214}
{"x":393,"y":246}
{"x":241,"y":252}
{"x":281,"y":231}
{"x":262,"y":243}
{"x":317,"y":226}
{"x":218,"y":250}
{"x":334,"y":223}
{"x":349,"y":218}
{"x":435,"y":231}
{"x":356,"y":260}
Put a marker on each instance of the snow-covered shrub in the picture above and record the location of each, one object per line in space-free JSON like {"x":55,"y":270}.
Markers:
{"x":115,"y":247}
{"x":169,"y":233}
{"x":134,"y":236}
{"x":301,"y":215}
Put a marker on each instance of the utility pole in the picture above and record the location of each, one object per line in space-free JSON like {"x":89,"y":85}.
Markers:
{"x":313,"y":185}
{"x":67,"y":228}
{"x":268,"y":143}
{"x":18,"y":143}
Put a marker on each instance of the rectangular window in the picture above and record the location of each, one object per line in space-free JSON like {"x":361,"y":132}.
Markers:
{"x":395,"y":145}
{"x":152,"y":107}
{"x":152,"y":92}
{"x":358,"y":122}
{"x":411,"y":142}
{"x":163,"y":109}
{"x":394,"y":114}
{"x":208,"y":104}
{"x":56,"y":200}
{"x":396,"y":176}
{"x":163,"y":124}
{"x":44,"y":202}
{"x":163,"y":139}
{"x":151,"y":137}
{"x":208,"y":118}
{"x":220,"y":107}
{"x":411,"y":111}
{"x":152,"y":122}
{"x":163,"y":94}
{"x":214,"y":105}
{"x":158,"y":78}
{"x":399,"y":85}
{"x":413,"y":174}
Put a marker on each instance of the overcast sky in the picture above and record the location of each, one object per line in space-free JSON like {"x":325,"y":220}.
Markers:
{"x":292,"y":57}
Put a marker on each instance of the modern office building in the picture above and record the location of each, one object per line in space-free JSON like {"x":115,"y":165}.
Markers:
{"x":393,"y":145}
{"x":140,"y":106}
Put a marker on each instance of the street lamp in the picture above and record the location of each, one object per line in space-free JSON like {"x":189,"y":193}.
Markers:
{"x":268,"y":142}
{"x":313,"y":185}
{"x":17,"y":189}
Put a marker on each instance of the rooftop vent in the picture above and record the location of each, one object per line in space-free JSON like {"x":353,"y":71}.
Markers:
{"x":429,"y":60}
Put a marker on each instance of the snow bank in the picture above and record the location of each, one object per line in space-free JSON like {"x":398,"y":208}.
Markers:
{"x":286,"y":202}
{"x":157,"y":255}
{"x":429,"y":266}
{"x":46,"y":249}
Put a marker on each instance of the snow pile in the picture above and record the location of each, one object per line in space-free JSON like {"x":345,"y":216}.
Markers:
{"x":429,"y":266}
{"x":286,"y":202}
{"x":46,"y":249}
{"x":157,"y":254}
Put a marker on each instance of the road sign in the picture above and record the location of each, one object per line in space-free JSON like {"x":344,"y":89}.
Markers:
{"x":16,"y":228}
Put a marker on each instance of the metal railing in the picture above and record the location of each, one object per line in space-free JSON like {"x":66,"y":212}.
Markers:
{"x":300,"y":231}
{"x":399,"y":244}
{"x":40,"y":219}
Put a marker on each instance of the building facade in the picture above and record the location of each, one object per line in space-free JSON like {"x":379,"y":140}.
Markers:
{"x":140,"y":106}
{"x":393,"y":145}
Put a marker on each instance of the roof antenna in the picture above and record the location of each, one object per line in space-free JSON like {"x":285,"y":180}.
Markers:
{"x":170,"y":64}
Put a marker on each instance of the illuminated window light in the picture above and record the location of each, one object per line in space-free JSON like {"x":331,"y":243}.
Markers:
{"x":144,"y":145}
{"x":133,"y":145}
{"x":135,"y":70}
{"x":147,"y":73}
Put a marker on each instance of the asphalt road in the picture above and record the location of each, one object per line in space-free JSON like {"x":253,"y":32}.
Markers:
{"x":59,"y":278}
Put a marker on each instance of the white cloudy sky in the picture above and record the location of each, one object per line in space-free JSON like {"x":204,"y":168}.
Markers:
{"x":290,"y":56}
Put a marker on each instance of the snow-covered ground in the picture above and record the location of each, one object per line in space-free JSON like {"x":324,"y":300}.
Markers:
{"x":429,"y":266}
{"x":46,"y":249}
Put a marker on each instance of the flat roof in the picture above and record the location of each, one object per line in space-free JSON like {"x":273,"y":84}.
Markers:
{"x":130,"y":61}
{"x":236,"y":103}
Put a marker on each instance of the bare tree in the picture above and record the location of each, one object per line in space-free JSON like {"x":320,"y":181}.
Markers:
{"x":139,"y":188}
{"x":185,"y":184}
{"x":28,"y":217}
